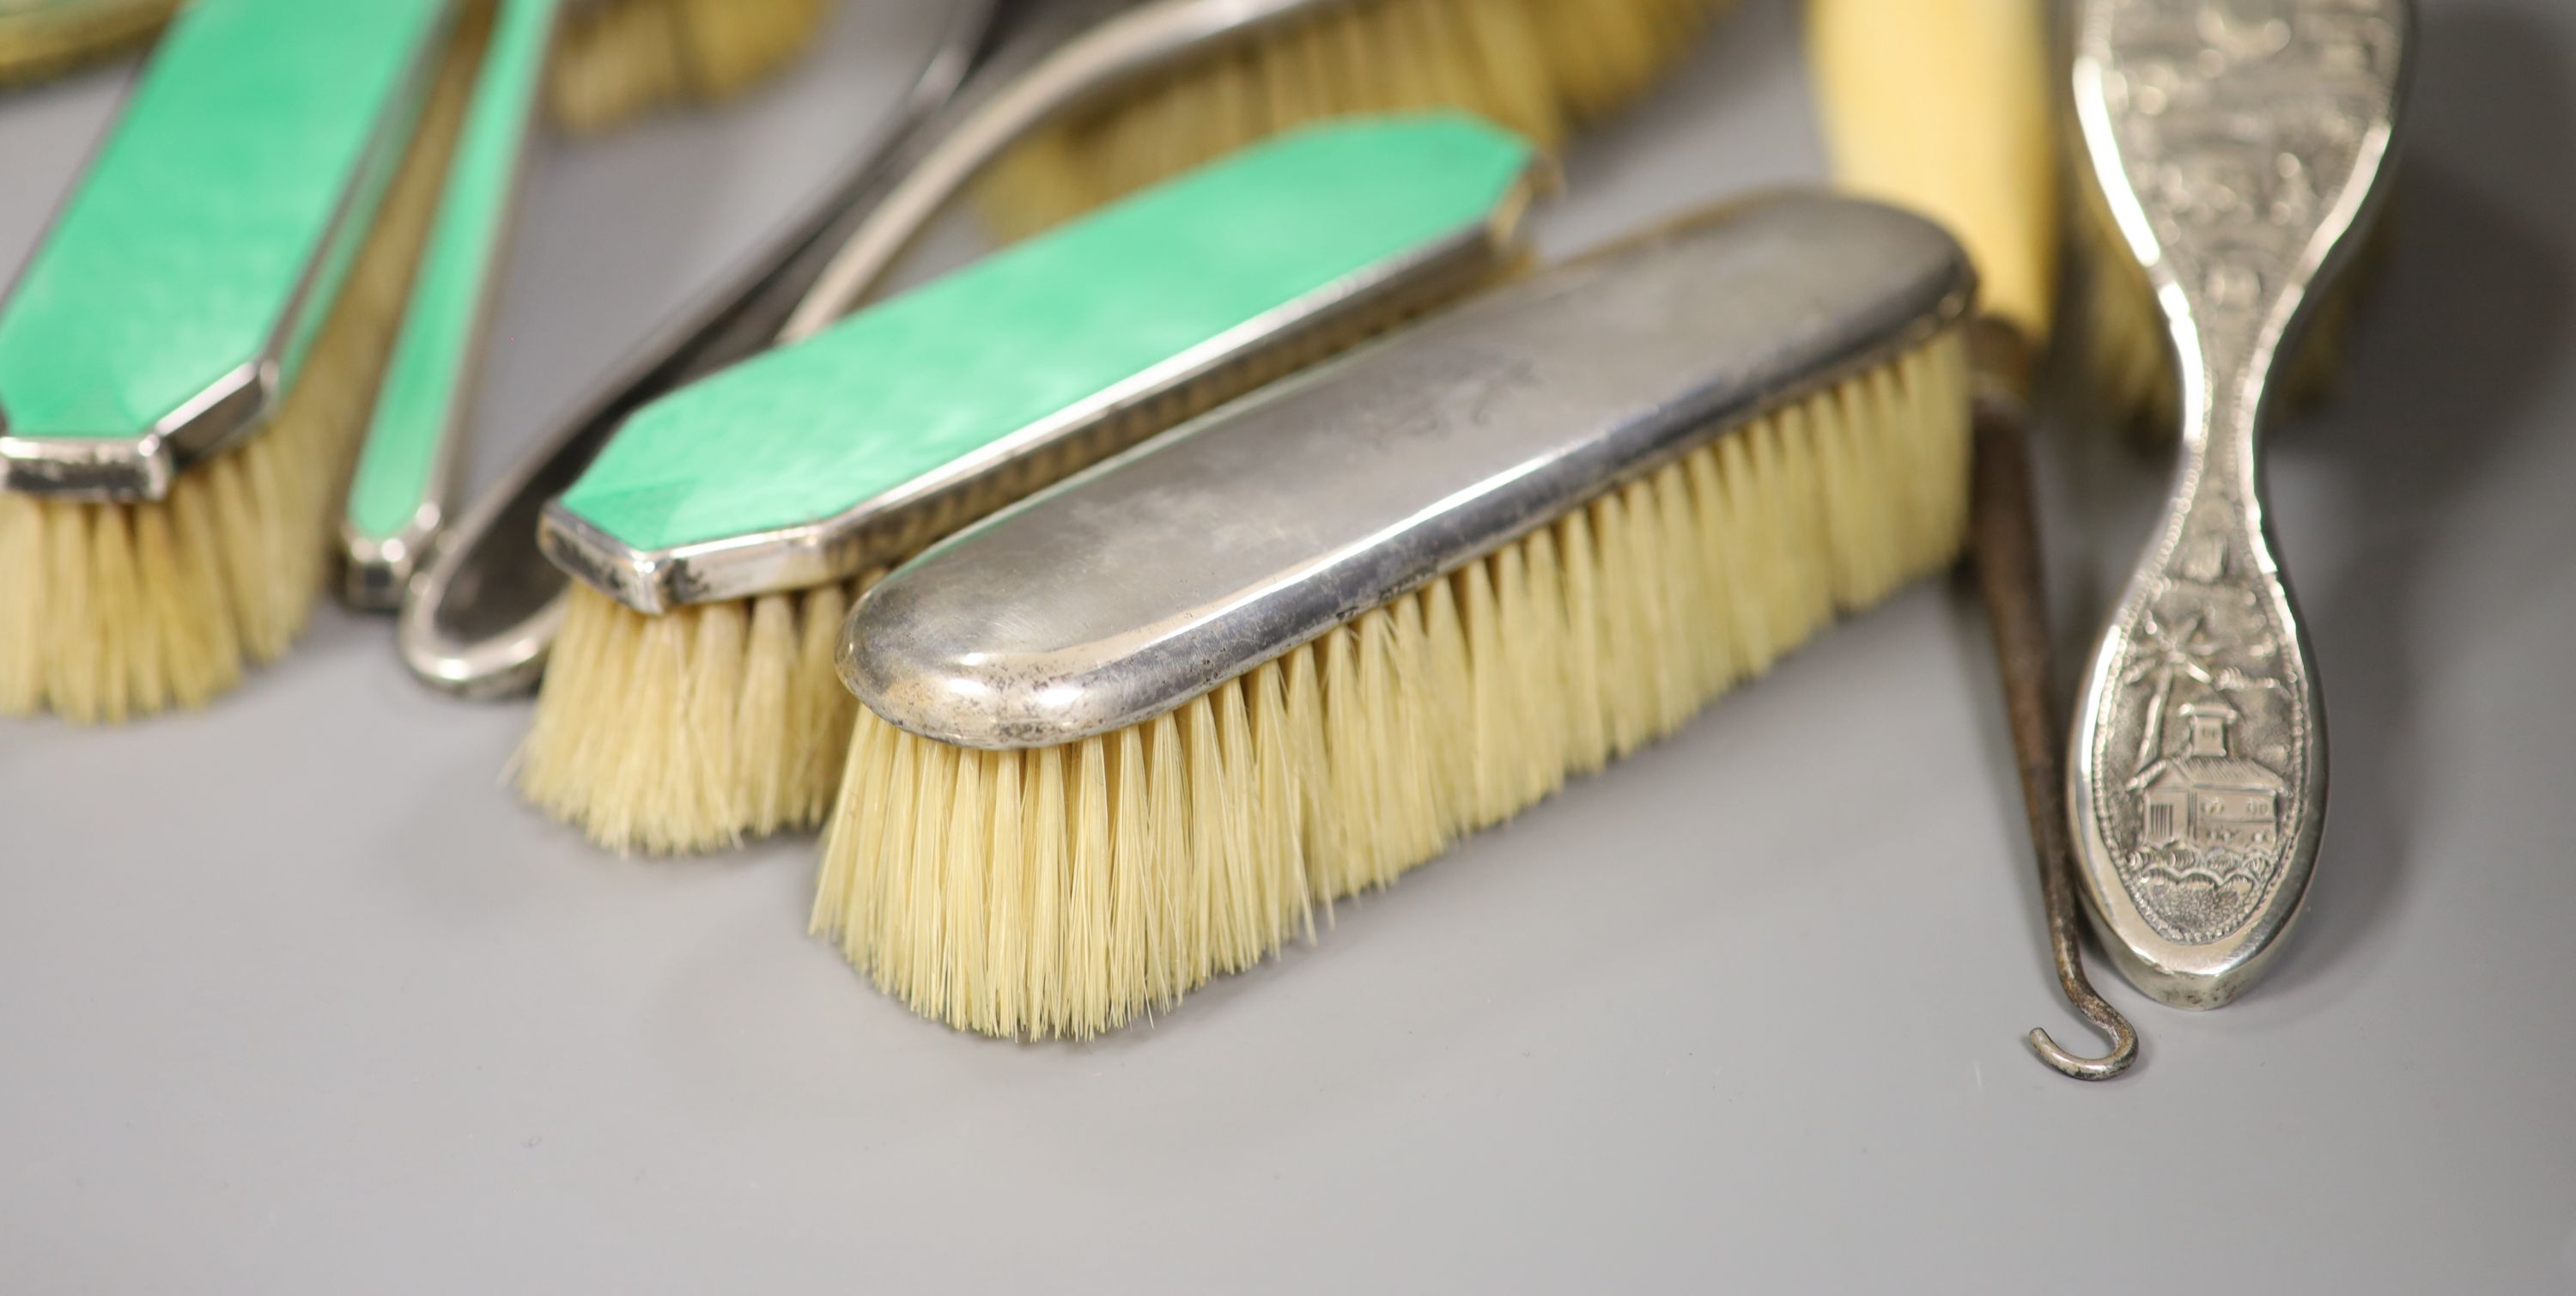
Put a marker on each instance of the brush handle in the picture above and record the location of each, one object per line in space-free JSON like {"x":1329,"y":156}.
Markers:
{"x":408,"y":462}
{"x":2238,"y":151}
{"x":2200,"y":781}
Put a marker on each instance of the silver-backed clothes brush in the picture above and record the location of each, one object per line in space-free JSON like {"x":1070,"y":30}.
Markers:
{"x":2238,"y":149}
{"x":1305,"y":642}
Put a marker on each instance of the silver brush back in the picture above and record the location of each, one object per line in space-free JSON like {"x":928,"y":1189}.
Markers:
{"x":1196,"y":558}
{"x":2239,"y":149}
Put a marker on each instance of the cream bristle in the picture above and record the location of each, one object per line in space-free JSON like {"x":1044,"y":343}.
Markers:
{"x":113,"y":611}
{"x":1139,"y":864}
{"x":1539,"y":67}
{"x":50,"y":39}
{"x":620,"y":59}
{"x":682,"y":732}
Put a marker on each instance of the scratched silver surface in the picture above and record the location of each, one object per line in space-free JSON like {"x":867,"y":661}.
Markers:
{"x":294,"y":997}
{"x":2239,"y":145}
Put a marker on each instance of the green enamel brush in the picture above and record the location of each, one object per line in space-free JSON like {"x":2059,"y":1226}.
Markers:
{"x":406,"y":473}
{"x":185,"y":361}
{"x":720,"y":536}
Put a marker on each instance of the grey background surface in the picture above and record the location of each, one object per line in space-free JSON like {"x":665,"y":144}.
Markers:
{"x":295,"y":997}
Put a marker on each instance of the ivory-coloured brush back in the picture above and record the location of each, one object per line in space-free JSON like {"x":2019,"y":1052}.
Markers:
{"x":1944,"y":107}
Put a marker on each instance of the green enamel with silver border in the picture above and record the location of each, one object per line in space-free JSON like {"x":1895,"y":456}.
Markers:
{"x":406,"y":469}
{"x":174,"y":297}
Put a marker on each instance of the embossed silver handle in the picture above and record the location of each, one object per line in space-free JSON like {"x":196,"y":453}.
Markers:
{"x":2238,"y":145}
{"x":2199,"y":772}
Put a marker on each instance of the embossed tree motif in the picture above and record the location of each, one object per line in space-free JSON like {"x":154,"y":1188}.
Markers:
{"x":2164,"y":654}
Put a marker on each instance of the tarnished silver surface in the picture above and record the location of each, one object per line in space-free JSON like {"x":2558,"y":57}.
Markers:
{"x":1143,"y":583}
{"x":483,"y":611}
{"x":143,"y":466}
{"x":2237,"y":144}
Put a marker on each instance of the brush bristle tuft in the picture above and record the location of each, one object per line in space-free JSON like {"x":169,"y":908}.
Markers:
{"x":621,"y":59}
{"x":114,"y":611}
{"x":686,"y":731}
{"x":1539,"y":67}
{"x":1064,"y":891}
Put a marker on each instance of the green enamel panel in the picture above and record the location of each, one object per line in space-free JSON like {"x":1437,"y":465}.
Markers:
{"x":178,"y":255}
{"x":803,"y":433}
{"x":424,"y":387}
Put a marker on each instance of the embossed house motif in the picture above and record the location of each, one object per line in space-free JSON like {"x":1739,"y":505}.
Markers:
{"x":2205,"y":798}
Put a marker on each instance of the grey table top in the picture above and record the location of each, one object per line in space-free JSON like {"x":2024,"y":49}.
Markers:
{"x":294,"y":996}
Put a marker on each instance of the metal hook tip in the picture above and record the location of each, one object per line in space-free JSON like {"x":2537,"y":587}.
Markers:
{"x":2124,"y":1050}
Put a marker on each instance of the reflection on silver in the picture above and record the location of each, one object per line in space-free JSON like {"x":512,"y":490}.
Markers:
{"x":1141,"y":584}
{"x":2237,"y":145}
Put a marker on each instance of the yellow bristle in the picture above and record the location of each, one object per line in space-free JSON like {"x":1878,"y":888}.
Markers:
{"x":51,"y":39}
{"x":135,"y":608}
{"x":620,"y":59}
{"x":682,"y":732}
{"x":1539,"y":67}
{"x":1143,"y":862}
